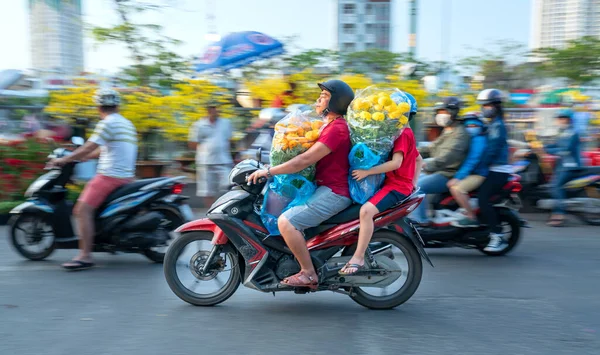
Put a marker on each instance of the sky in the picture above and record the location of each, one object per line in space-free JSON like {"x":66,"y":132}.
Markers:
{"x":452,"y":27}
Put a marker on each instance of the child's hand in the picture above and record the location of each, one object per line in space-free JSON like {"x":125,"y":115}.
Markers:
{"x":359,"y":175}
{"x":452,"y":182}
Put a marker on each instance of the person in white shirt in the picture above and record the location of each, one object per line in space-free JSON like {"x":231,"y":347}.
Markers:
{"x":211,"y":137}
{"x":117,"y":138}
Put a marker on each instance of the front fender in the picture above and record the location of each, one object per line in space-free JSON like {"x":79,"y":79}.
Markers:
{"x":33,"y":206}
{"x":205,"y":225}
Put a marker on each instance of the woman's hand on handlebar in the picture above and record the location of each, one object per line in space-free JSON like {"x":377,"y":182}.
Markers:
{"x":256,"y":176}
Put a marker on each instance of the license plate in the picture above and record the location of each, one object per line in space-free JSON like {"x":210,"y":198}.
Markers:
{"x":187,"y":213}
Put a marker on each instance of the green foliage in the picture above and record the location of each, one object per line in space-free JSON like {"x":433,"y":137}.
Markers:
{"x":579,"y":61}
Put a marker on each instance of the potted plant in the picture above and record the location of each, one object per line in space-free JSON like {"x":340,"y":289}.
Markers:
{"x":21,"y":162}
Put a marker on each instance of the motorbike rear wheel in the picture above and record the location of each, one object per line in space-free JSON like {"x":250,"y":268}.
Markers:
{"x":414,"y":274}
{"x":591,"y":217}
{"x":178,"y":268}
{"x":171,"y":222}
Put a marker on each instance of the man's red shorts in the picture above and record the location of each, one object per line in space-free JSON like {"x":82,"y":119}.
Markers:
{"x":98,"y":189}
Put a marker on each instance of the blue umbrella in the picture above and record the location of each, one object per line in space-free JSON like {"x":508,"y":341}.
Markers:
{"x":237,"y":50}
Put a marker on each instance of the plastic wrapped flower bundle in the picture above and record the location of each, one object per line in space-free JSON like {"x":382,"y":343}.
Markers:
{"x":294,"y":135}
{"x":375,"y":117}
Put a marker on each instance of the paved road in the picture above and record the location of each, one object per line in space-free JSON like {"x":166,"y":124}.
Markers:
{"x":542,"y":299}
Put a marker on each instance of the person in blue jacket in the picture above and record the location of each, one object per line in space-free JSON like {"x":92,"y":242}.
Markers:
{"x":496,"y":159}
{"x":568,"y":147}
{"x":472,"y":172}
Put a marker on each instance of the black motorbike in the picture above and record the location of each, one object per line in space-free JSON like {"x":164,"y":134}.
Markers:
{"x":582,"y":189}
{"x":441,"y":233}
{"x":138,"y":217}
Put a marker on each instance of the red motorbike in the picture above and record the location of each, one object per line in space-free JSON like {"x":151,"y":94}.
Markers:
{"x":205,"y":265}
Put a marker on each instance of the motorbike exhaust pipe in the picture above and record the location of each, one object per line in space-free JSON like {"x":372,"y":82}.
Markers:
{"x":146,"y":222}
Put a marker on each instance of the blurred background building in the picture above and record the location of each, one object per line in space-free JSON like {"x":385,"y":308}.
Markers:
{"x":555,"y":22}
{"x":56,"y":35}
{"x":363,"y":25}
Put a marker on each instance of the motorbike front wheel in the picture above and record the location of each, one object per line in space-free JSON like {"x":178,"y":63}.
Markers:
{"x":184,"y":264}
{"x":32,"y":236}
{"x":402,"y":251}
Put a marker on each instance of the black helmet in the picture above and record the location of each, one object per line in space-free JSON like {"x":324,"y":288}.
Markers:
{"x":489,"y":96}
{"x":451,"y":104}
{"x":341,"y":96}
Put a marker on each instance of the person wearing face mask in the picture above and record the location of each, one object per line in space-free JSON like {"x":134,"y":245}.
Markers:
{"x":568,"y":148}
{"x":472,"y":172}
{"x":496,"y":158}
{"x":445,"y":154}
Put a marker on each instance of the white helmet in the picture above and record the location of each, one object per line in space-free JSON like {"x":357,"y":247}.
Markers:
{"x":107,"y":97}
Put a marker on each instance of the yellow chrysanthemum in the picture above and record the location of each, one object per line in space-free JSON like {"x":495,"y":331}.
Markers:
{"x":395,"y":114}
{"x":365,"y":115}
{"x":385,"y":101}
{"x":378,"y":108}
{"x":404,"y":107}
{"x":373,"y":99}
{"x":391,"y":108}
{"x":378,"y":116}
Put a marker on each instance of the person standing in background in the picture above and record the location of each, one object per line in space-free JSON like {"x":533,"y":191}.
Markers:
{"x":211,"y":138}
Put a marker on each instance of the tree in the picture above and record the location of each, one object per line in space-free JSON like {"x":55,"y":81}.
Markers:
{"x":578,"y":62}
{"x":374,"y":60}
{"x":497,"y":64}
{"x":149,"y":111}
{"x":149,"y":49}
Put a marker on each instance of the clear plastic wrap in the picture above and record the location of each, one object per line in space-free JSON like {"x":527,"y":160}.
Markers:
{"x":362,"y":158}
{"x":294,"y":135}
{"x":284,"y":192}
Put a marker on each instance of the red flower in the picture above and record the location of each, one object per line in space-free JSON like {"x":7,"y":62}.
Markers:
{"x":13,"y":162}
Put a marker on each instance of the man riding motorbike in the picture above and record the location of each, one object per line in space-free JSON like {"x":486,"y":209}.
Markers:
{"x":117,"y":138}
{"x":330,"y":154}
{"x":568,"y":147}
{"x":447,"y":153}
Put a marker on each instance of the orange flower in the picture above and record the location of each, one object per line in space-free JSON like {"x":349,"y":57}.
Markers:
{"x":316,"y":125}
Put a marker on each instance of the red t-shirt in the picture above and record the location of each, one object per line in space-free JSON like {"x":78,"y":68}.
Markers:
{"x":401,"y":179}
{"x":332,"y":170}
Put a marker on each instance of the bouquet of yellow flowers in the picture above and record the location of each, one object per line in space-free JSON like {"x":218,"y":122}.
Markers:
{"x":375,"y":117}
{"x":294,"y":135}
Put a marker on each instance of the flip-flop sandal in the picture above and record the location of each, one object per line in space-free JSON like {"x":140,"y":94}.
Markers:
{"x":78,"y":265}
{"x":295,"y":281}
{"x":359,"y":268}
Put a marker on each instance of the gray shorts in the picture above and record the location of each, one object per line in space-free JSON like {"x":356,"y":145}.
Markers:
{"x":212,"y":180}
{"x":321,"y":206}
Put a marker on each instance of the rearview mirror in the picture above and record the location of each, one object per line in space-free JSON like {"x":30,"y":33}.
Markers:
{"x":259,"y":154}
{"x":77,"y":141}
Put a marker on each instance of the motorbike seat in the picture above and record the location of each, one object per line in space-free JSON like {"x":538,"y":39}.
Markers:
{"x":347,"y":215}
{"x":584,"y":171}
{"x":130,"y":188}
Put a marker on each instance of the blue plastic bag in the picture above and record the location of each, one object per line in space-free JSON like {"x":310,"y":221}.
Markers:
{"x":283,"y":193}
{"x":363,"y":158}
